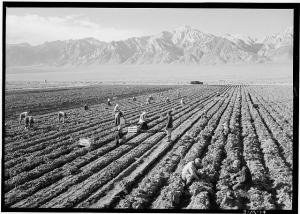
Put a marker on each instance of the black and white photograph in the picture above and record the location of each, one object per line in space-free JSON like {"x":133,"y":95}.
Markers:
{"x":149,"y":107}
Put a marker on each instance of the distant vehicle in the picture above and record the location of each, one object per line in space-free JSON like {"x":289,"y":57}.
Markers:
{"x":196,"y":82}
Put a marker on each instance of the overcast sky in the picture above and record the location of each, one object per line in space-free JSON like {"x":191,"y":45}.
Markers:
{"x":37,"y":25}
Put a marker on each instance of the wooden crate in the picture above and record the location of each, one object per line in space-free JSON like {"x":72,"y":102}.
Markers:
{"x":132,"y":129}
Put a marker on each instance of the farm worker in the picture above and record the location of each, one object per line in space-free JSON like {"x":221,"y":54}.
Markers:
{"x":178,"y":94}
{"x":244,"y":179}
{"x":108,"y":102}
{"x":120,"y":123}
{"x":62,"y":115}
{"x":189,"y":171}
{"x":167,"y":100}
{"x":142,"y":122}
{"x":117,"y":108}
{"x":134,"y":99}
{"x":182,"y":102}
{"x":229,"y":201}
{"x":148,"y":100}
{"x":29,"y":121}
{"x":23,"y":115}
{"x":119,"y":119}
{"x":169,"y":125}
{"x":121,"y":136}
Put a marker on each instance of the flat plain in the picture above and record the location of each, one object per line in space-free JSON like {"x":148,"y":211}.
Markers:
{"x":45,"y":168}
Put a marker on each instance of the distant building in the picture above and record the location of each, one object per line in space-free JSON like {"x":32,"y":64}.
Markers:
{"x":196,"y":82}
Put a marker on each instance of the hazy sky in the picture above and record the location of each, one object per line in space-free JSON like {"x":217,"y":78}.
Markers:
{"x":37,"y":25}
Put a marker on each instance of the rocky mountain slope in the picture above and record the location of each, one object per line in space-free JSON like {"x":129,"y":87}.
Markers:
{"x":183,"y":45}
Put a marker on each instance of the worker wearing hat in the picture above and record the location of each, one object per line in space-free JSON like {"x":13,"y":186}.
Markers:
{"x":143,"y":122}
{"x":189,"y":171}
{"x":169,"y":125}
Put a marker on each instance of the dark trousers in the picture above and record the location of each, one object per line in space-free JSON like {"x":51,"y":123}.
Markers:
{"x":144,"y":126}
{"x":242,"y":185}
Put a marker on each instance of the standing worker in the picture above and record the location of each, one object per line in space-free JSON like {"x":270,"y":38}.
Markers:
{"x":108,"y":102}
{"x":169,"y":125}
{"x":23,"y":115}
{"x":117,"y":108}
{"x":182,"y":102}
{"x":120,"y":123}
{"x":29,"y":122}
{"x":167,"y":100}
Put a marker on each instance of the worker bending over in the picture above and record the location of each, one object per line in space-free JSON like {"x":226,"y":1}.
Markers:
{"x":189,"y":171}
{"x":143,"y":126}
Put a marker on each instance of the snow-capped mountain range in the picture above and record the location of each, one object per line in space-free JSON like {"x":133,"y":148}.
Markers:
{"x":183,"y":45}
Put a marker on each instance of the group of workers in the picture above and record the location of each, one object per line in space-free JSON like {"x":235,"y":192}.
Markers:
{"x":29,"y":121}
{"x":191,"y":171}
{"x":142,"y":125}
{"x":241,"y":176}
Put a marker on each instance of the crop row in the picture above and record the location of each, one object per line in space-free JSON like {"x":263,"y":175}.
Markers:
{"x":202,"y":192}
{"x":130,"y":181}
{"x":142,"y":196}
{"x":282,"y":123}
{"x":285,"y":145}
{"x":98,"y":179}
{"x":88,"y":120}
{"x":27,"y":194}
{"x":80,"y":133}
{"x":45,"y":123}
{"x":279,"y":97}
{"x":279,"y":172}
{"x":261,"y":193}
{"x":67,"y":149}
{"x":171,"y":195}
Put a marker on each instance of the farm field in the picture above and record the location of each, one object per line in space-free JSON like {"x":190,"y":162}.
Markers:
{"x":43,"y":100}
{"x":274,"y":73}
{"x":44,"y":167}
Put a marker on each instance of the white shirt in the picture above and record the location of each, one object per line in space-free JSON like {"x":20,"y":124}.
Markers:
{"x":122,"y":121}
{"x":116,"y":108}
{"x":142,"y":118}
{"x":188,"y":169}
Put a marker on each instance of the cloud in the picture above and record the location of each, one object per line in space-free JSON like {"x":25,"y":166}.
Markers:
{"x":36,"y":29}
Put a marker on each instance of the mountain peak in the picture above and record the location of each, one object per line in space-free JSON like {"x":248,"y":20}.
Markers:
{"x":183,"y":28}
{"x":182,"y":45}
{"x":240,"y":37}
